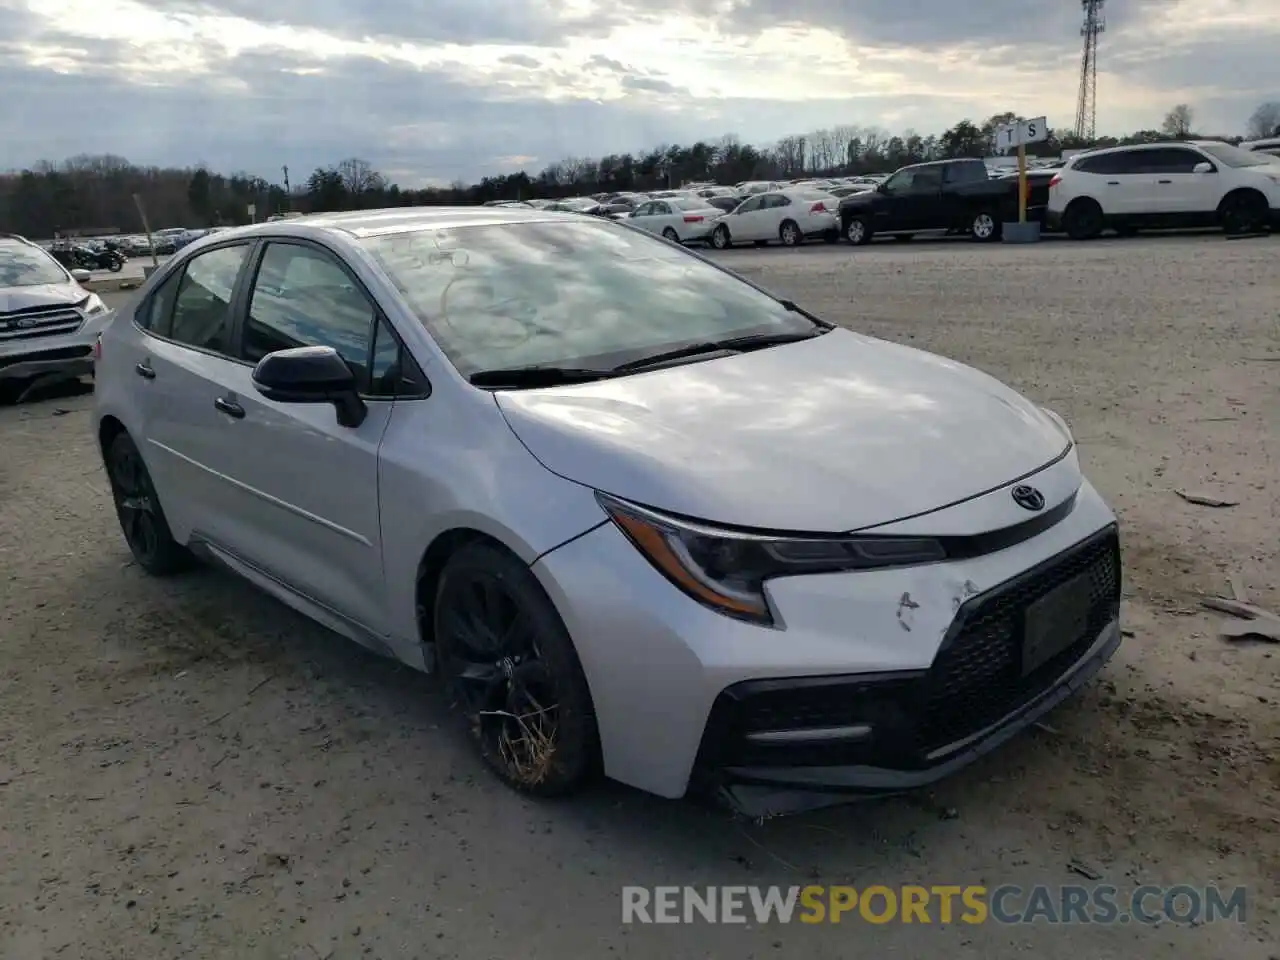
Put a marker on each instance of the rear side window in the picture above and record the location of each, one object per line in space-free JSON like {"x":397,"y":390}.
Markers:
{"x":194,"y":306}
{"x":966,"y":172}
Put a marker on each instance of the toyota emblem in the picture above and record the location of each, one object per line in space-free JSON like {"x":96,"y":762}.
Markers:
{"x":1029,"y":498}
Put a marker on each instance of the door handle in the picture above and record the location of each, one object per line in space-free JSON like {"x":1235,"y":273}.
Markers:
{"x":1164,"y":181}
{"x":144,"y":369}
{"x":229,"y":407}
{"x":1113,"y":183}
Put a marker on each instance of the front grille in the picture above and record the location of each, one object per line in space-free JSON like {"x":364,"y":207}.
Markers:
{"x":39,"y":322}
{"x":976,"y":679}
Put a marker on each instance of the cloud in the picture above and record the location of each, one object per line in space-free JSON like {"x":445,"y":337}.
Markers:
{"x":433,"y":90}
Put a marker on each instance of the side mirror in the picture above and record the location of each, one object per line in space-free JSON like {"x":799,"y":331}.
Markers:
{"x":311,"y":375}
{"x":80,"y":275}
{"x":1203,"y":166}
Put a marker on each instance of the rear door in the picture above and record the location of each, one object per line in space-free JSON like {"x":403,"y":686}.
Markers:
{"x":306,"y":488}
{"x":1120,"y":181}
{"x":187,"y":358}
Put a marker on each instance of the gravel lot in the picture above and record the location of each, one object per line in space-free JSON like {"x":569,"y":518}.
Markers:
{"x":188,"y":769}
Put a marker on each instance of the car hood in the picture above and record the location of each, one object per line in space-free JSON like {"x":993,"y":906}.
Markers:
{"x":41,"y":295}
{"x":837,"y":433}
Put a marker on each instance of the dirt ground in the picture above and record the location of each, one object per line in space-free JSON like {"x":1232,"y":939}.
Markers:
{"x":188,"y":769}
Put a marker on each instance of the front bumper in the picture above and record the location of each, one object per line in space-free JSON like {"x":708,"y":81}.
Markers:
{"x":58,"y":355}
{"x":675,"y":685}
{"x":780,"y":746}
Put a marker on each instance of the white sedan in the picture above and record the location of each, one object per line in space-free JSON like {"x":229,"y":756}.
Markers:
{"x":679,"y":219}
{"x":788,"y":216}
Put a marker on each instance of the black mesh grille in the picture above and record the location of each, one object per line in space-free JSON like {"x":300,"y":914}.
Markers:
{"x":977,"y":678}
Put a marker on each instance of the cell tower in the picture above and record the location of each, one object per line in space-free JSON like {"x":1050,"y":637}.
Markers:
{"x":1087,"y":106}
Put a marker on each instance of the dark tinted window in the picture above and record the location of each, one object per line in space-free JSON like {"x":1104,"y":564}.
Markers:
{"x":1170,"y":160}
{"x":157,"y":312}
{"x":392,"y":372}
{"x":1122,"y":161}
{"x":965,"y":172}
{"x":302,"y":297}
{"x":202,"y":308}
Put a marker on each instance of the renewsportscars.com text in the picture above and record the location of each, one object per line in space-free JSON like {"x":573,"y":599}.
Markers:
{"x":940,"y":904}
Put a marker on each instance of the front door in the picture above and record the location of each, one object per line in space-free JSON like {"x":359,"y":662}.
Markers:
{"x":750,"y":220}
{"x":913,"y":197}
{"x":307,"y":487}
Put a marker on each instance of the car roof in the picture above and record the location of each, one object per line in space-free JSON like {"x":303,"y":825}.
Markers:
{"x":391,"y":220}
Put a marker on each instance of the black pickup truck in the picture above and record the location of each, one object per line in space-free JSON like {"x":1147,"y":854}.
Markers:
{"x":958,"y":196}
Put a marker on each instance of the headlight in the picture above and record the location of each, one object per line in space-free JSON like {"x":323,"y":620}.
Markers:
{"x":93,"y":305}
{"x":726,"y":569}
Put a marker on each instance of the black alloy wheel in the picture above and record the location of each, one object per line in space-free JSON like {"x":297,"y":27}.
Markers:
{"x":142,"y":519}
{"x":510,"y":667}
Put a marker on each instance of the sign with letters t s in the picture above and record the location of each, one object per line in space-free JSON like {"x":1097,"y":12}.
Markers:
{"x":1021,"y":133}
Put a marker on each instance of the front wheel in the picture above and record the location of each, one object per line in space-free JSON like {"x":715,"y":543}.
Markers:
{"x":1243,"y":212}
{"x":985,"y":227}
{"x":857,"y":231}
{"x":510,"y":666}
{"x":720,"y":238}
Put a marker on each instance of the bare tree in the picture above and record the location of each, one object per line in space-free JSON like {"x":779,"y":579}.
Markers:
{"x":841,"y":137}
{"x":1265,"y":121}
{"x":358,"y":176}
{"x":1177,"y":122}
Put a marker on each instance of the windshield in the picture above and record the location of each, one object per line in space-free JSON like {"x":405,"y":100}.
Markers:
{"x":24,"y":266}
{"x":1234,"y":156}
{"x":588,"y":294}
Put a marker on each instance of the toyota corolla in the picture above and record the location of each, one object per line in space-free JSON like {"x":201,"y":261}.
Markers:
{"x":645,"y":518}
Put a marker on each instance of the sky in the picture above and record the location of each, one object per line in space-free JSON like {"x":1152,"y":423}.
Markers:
{"x":430,"y":91}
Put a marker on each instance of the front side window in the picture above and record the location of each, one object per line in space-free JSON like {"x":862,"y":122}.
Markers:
{"x":1234,"y":156}
{"x":22,"y":265}
{"x":302,"y":297}
{"x":567,"y":294}
{"x":201,"y":315}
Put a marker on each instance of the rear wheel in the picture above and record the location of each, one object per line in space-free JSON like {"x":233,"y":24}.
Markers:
{"x":790,"y":234}
{"x":138,"y":508}
{"x":720,"y":238}
{"x":857,"y":231}
{"x":1083,"y":220}
{"x":670,"y":234}
{"x":1243,"y":212}
{"x":511,"y":668}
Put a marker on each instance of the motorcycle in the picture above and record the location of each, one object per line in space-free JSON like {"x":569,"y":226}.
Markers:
{"x":106,"y":258}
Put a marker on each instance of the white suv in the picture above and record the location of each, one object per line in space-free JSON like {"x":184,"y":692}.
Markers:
{"x":48,"y":322}
{"x":1155,"y":185}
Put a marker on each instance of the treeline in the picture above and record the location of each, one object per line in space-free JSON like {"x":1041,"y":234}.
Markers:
{"x":93,"y":194}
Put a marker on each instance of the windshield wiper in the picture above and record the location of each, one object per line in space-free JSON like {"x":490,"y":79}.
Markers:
{"x":753,"y":341}
{"x":536,"y":376}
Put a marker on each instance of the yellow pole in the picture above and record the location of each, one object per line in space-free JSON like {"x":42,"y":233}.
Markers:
{"x":1022,"y":183}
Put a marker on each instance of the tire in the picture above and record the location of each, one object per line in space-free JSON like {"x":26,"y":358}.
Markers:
{"x":904,"y":237}
{"x":115,"y":266}
{"x":720,"y":239}
{"x":1245,"y":211}
{"x":790,"y":234}
{"x":985,"y":226}
{"x":517,"y":685}
{"x":857,"y":231}
{"x":1083,"y":220}
{"x":670,"y":234}
{"x":138,"y":509}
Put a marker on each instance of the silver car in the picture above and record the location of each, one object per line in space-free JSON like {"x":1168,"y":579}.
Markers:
{"x":644,"y":517}
{"x":48,"y":322}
